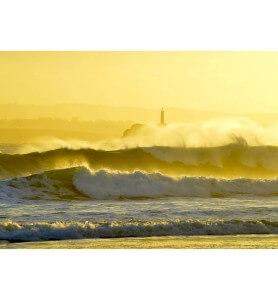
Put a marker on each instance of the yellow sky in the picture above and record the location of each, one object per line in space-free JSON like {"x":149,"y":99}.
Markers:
{"x":223,"y":81}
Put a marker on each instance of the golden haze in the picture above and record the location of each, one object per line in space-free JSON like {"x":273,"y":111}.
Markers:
{"x":216,"y":81}
{"x":96,"y":95}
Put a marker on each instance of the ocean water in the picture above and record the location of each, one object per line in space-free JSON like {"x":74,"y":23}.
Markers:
{"x":140,"y":192}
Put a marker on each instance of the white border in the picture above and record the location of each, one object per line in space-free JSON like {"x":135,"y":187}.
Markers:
{"x":138,"y":274}
{"x":138,"y":25}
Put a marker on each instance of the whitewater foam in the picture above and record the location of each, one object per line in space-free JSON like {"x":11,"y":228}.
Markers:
{"x":104,"y":184}
{"x":82,"y":183}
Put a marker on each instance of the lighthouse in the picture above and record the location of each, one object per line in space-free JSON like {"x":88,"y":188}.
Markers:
{"x":162,"y":121}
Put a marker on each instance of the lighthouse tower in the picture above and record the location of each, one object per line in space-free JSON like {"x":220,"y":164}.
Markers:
{"x":162,"y":121}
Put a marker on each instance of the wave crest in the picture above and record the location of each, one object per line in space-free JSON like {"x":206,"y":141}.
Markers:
{"x":103,"y":184}
{"x":82,"y":183}
{"x":233,"y":161}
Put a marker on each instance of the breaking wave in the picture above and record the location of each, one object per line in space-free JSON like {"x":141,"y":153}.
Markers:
{"x":103,"y":184}
{"x":232,"y":161}
{"x":16,"y":231}
{"x":81,"y":183}
{"x":51,"y":185}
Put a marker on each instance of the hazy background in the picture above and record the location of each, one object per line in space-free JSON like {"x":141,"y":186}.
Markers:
{"x":96,"y":95}
{"x":222,"y":81}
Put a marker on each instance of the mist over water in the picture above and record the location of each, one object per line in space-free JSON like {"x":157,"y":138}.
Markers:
{"x":212,"y":133}
{"x":220,"y":147}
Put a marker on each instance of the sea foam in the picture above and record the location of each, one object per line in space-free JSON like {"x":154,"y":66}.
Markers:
{"x":104,"y":184}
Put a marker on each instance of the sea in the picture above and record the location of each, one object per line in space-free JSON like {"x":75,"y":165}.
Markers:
{"x":66,"y":193}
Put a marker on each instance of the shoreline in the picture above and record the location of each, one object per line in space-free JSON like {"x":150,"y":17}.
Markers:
{"x":250,"y":241}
